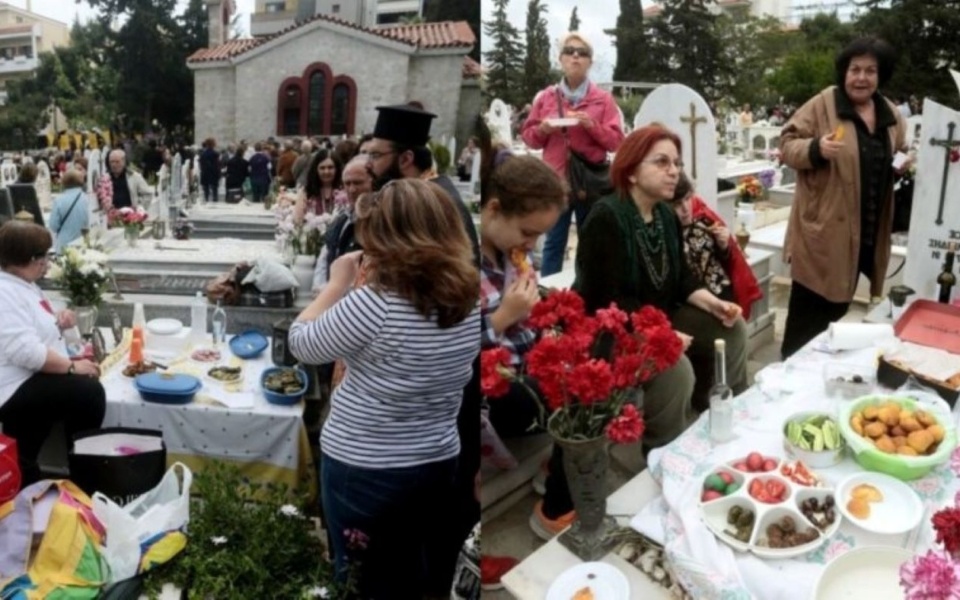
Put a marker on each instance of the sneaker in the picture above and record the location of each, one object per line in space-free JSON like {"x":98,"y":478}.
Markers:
{"x":492,"y":568}
{"x":540,"y":479}
{"x":547,"y":528}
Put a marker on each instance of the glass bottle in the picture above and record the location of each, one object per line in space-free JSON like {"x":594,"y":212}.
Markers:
{"x":946,"y":280}
{"x":198,"y":318}
{"x":219,"y":321}
{"x":721,"y":397}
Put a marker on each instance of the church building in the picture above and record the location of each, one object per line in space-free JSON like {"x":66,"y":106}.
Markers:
{"x":325,"y":75}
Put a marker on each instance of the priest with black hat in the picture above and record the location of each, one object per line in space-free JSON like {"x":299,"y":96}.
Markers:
{"x":399,"y":149}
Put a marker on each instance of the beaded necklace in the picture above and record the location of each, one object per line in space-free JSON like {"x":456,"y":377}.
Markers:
{"x":651,"y":240}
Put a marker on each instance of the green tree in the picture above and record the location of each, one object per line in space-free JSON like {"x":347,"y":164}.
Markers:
{"x":684,"y":48}
{"x":574,"y":20}
{"x":752,"y":48}
{"x":537,"y":63}
{"x":924,"y":34}
{"x":456,"y":10}
{"x":802,"y":75}
{"x":630,"y":42}
{"x":504,"y":62}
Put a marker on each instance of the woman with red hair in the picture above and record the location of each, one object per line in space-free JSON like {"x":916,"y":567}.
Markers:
{"x":631,"y":252}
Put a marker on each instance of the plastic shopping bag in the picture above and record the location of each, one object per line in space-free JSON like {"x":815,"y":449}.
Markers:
{"x":148,"y":531}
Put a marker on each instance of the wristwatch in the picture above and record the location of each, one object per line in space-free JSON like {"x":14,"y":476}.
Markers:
{"x":71,"y":369}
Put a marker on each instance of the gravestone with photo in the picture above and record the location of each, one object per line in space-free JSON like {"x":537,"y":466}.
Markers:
{"x":499,"y":121}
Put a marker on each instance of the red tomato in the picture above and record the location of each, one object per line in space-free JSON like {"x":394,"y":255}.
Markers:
{"x":754,"y":462}
{"x":741,"y":466}
{"x":769,"y":464}
{"x":726,"y":477}
{"x":710,"y":495}
{"x":757,"y":490}
{"x":775,"y":490}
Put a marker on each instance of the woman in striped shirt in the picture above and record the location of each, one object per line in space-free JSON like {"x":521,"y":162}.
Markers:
{"x":408,"y":336}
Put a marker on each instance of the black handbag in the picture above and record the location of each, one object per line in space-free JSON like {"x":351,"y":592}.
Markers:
{"x":121,"y":473}
{"x":589,"y":181}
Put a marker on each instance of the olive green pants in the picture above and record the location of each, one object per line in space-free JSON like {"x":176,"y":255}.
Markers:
{"x":705,"y":329}
{"x":666,"y":405}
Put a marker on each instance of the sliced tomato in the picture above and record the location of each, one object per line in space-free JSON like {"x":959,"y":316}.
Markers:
{"x":757,"y":490}
{"x":775,"y":489}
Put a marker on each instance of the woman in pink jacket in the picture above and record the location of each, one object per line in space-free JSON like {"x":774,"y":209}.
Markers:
{"x":598,"y":132}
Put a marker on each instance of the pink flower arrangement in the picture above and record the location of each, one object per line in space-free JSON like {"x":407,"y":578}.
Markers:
{"x":105,"y":192}
{"x":936,"y":574}
{"x":126,"y":217}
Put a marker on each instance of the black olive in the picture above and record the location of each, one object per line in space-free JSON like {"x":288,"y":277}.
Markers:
{"x":857,"y":379}
{"x":733,"y":515}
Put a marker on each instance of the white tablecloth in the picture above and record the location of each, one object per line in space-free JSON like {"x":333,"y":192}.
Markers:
{"x":708,"y":568}
{"x":266,"y":440}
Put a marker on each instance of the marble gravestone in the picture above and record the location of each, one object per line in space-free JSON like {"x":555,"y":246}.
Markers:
{"x":498,"y":119}
{"x":8,"y":173}
{"x":935,"y":218}
{"x":914,"y":131}
{"x":43,"y":185}
{"x":686,"y":113}
{"x":176,"y":179}
{"x":93,"y":169}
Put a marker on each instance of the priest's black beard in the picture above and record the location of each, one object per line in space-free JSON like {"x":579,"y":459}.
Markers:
{"x":389,"y":175}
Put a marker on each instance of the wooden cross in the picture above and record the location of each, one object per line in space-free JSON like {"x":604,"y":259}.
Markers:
{"x":948,"y":145}
{"x":693,"y":119}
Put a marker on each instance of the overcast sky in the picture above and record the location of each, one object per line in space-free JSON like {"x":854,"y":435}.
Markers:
{"x":595,"y":16}
{"x":66,"y":10}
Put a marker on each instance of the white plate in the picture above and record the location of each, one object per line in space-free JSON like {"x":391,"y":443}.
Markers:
{"x":899,"y":512}
{"x":564,"y":122}
{"x":867,"y":573}
{"x":164,"y":326}
{"x":605,"y":581}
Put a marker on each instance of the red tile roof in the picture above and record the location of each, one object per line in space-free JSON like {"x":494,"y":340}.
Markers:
{"x":446,"y":34}
{"x":471,"y":68}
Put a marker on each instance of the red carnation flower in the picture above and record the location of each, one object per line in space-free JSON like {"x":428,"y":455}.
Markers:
{"x":627,"y":427}
{"x":493,"y":362}
{"x":612,"y":319}
{"x":648,"y":317}
{"x":947,"y":525}
{"x":591,"y":381}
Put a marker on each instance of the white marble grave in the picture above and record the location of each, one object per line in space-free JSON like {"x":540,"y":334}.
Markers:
{"x":685,"y":112}
{"x":935,"y":218}
{"x":94,"y":166}
{"x":498,"y":120}
{"x":43,"y":185}
{"x":210,"y":257}
{"x":8,"y":173}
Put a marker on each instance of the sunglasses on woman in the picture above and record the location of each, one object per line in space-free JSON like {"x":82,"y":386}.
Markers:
{"x":576,"y":51}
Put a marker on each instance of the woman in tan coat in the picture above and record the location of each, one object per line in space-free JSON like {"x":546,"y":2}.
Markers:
{"x":842,"y":143}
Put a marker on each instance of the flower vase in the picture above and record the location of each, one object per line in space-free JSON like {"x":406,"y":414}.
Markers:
{"x":86,"y":319}
{"x":303,"y":265}
{"x":132,"y":235}
{"x":742,"y":236}
{"x":585,"y":463}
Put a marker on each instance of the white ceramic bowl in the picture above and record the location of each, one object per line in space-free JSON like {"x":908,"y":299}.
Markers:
{"x":865,"y":573}
{"x":816,"y":460}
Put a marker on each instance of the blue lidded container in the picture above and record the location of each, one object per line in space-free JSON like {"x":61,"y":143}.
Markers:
{"x":281,"y":398}
{"x":167,"y":388}
{"x":249,"y":344}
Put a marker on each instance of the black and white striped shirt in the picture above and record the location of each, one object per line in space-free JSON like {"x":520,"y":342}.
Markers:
{"x":398,"y":404}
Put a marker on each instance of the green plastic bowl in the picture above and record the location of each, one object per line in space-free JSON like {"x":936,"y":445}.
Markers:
{"x":905,"y":468}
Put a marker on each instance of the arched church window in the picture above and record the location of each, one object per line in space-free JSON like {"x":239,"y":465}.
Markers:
{"x":317,"y":103}
{"x":341,"y":109}
{"x":290,"y":110}
{"x":318,"y":88}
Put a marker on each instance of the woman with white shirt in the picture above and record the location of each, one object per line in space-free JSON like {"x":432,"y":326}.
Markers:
{"x":408,"y":334}
{"x":39,"y":384}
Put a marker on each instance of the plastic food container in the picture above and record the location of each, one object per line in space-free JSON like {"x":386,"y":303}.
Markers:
{"x":715,"y":513}
{"x":249,"y":344}
{"x":167,"y":388}
{"x":902,"y":467}
{"x":848,"y":381}
{"x":281,"y":398}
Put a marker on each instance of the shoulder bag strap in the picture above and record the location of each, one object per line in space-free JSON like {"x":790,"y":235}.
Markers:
{"x":566,"y":138}
{"x":70,"y":210}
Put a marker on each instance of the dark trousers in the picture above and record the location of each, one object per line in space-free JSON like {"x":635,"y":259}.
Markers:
{"x":458,"y":519}
{"x":210,"y":191}
{"x":809,"y":314}
{"x":396,"y":512}
{"x":555,"y":246}
{"x":41,"y":402}
{"x":259,"y":189}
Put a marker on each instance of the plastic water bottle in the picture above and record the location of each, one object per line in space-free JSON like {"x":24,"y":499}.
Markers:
{"x":219,"y":324}
{"x":198,"y":317}
{"x":721,"y":398}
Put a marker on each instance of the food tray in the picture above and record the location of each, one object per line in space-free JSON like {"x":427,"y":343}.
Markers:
{"x":249,"y":344}
{"x":930,"y":323}
{"x":167,"y":388}
{"x":838,"y":380}
{"x":714,"y":512}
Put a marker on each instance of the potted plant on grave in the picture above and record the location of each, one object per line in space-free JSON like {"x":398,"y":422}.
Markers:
{"x":182,"y":229}
{"x":247,"y":540}
{"x":589,"y":370}
{"x":83,"y":275}
{"x":749,"y":189}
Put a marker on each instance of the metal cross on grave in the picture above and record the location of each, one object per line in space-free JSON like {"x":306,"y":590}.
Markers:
{"x":948,"y":145}
{"x":693,"y":119}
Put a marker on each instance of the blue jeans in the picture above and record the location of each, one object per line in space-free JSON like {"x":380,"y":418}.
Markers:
{"x":397,"y":511}
{"x":555,"y":246}
{"x":210,"y":191}
{"x":260,"y":190}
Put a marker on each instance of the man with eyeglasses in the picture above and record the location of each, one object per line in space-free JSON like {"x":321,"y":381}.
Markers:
{"x":341,"y":237}
{"x":597,"y":131}
{"x":399,"y":150}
